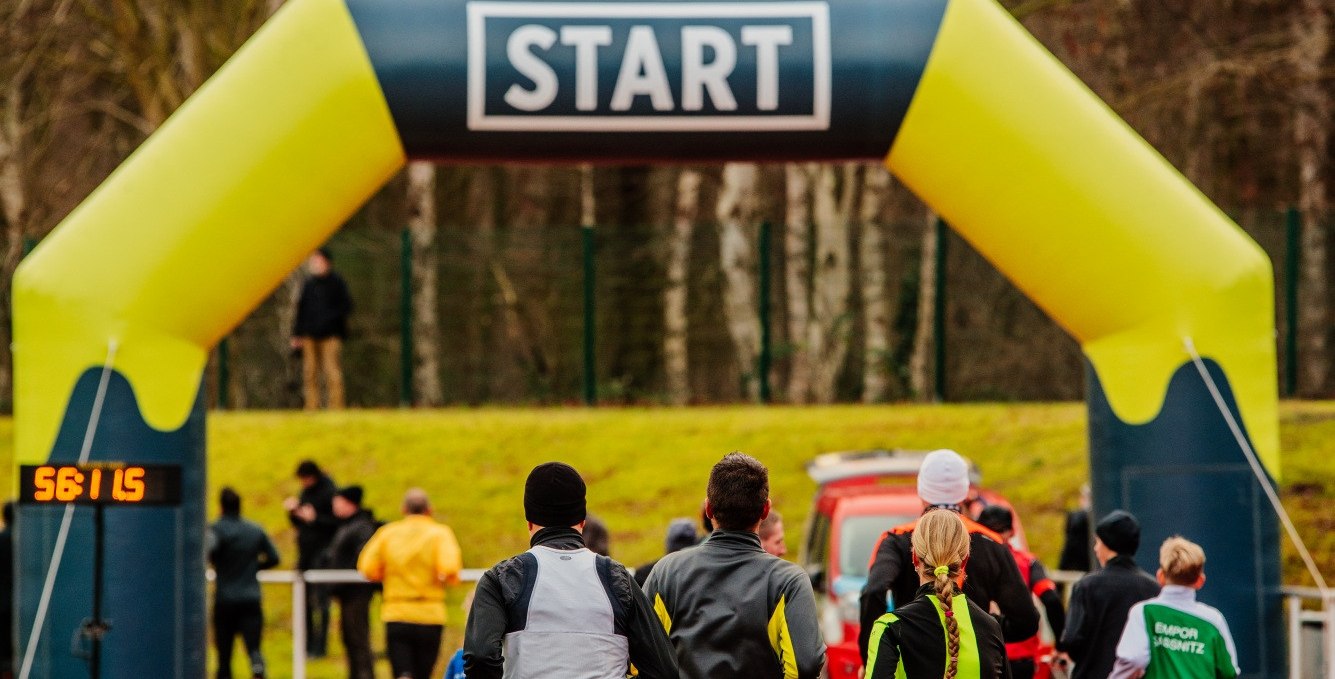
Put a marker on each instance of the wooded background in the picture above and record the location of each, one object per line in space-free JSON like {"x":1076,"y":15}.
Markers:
{"x":1237,"y":94}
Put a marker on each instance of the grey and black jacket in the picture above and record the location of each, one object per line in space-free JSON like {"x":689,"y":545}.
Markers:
{"x":731,"y":610}
{"x":559,"y":610}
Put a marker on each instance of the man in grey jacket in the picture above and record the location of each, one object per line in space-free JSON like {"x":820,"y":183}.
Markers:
{"x":238,"y":550}
{"x":731,"y":609}
{"x":558,"y":610}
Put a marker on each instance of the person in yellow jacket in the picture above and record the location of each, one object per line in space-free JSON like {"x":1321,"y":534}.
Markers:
{"x":415,"y":558}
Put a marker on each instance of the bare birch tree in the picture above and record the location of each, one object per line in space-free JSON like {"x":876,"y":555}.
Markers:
{"x":797,"y":254}
{"x":1312,"y":119}
{"x":422,"y":228}
{"x":738,"y":203}
{"x":920,"y":361}
{"x":676,"y":361}
{"x":836,"y":190}
{"x":876,"y":306}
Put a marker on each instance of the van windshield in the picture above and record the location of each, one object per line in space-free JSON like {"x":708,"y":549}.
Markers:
{"x":857,"y":537}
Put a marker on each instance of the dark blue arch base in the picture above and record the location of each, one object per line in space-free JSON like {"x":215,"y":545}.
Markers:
{"x":1183,"y":474}
{"x":154,"y":556}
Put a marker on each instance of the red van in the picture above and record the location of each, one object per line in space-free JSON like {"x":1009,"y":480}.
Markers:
{"x":862,"y":494}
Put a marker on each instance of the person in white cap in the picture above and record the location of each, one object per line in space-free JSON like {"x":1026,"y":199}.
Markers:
{"x":990,"y":579}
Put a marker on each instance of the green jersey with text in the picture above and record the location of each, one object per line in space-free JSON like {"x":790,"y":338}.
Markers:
{"x":1173,"y":636}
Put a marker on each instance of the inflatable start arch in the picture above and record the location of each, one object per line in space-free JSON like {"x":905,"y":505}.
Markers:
{"x":117,"y":310}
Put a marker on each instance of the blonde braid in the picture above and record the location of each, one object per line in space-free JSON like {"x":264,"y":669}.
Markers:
{"x":942,"y":543}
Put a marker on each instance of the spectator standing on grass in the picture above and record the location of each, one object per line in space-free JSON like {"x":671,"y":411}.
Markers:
{"x":680,"y":535}
{"x":354,"y":599}
{"x":321,"y":328}
{"x":771,"y":534}
{"x":730,"y":609}
{"x":312,"y":514}
{"x":7,"y":594}
{"x":1174,"y":636}
{"x":1076,"y":553}
{"x":993,"y":578}
{"x":415,"y":557}
{"x":940,"y":633}
{"x":559,"y":610}
{"x":1101,"y":600}
{"x":238,"y":550}
{"x":1023,"y":655}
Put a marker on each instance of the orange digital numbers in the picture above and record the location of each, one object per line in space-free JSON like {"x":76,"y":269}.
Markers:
{"x":101,"y":483}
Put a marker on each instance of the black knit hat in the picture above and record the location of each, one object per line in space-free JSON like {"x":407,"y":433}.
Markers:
{"x":554,"y":495}
{"x":1119,"y":531}
{"x":352,"y":494}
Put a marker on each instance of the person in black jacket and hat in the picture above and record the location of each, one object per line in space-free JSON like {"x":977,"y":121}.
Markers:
{"x":312,"y":514}
{"x":238,"y":549}
{"x":1101,"y":600}
{"x":320,"y":330}
{"x":354,"y":599}
{"x":560,"y":610}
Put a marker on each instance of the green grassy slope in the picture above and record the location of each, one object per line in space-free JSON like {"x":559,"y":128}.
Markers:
{"x":646,"y":466}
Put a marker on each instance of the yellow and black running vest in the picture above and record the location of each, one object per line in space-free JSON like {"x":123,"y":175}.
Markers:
{"x":910,"y":643}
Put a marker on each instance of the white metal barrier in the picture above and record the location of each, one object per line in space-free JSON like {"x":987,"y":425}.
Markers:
{"x":298,"y":580}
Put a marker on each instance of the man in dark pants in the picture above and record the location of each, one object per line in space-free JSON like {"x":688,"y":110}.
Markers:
{"x":991,"y":576}
{"x":238,"y":549}
{"x":312,"y":514}
{"x":1101,"y":600}
{"x":7,"y":594}
{"x":354,"y":600}
{"x":321,"y":327}
{"x":560,"y":610}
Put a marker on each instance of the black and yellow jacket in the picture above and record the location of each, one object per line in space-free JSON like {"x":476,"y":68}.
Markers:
{"x":911,"y":642}
{"x":731,"y":610}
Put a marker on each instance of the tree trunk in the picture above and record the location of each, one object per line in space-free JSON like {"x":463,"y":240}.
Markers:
{"x":13,"y":205}
{"x":875,"y":300}
{"x":738,"y":199}
{"x":676,"y":362}
{"x":797,"y":277}
{"x":920,"y":362}
{"x":1312,"y":136}
{"x":828,"y":328}
{"x":426,"y":325}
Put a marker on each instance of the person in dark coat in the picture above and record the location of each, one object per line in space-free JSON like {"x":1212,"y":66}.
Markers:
{"x":992,"y":576}
{"x":1101,"y":600}
{"x":354,"y":599}
{"x":238,"y":549}
{"x":312,"y":514}
{"x":1076,"y":553}
{"x":7,"y":594}
{"x":320,"y":330}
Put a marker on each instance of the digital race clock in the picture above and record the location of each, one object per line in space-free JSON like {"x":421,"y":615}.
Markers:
{"x":97,"y":483}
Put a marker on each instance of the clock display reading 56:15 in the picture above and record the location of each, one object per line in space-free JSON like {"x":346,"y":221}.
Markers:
{"x":114,"y":483}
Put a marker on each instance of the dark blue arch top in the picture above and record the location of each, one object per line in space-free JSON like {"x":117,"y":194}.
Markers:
{"x":776,"y":80}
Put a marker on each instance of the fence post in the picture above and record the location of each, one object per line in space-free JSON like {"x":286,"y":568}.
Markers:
{"x":766,"y":356}
{"x":1293,"y":236}
{"x":224,"y":374}
{"x":406,"y":319}
{"x":298,"y":626}
{"x":590,"y":317}
{"x":939,"y":314}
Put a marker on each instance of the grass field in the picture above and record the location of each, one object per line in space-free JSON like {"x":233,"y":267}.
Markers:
{"x":646,"y":466}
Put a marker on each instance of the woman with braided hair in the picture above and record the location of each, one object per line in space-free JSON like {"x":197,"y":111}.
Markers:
{"x":940,"y":634}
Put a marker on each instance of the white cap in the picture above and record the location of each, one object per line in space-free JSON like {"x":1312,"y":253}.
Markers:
{"x":943,"y":478}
